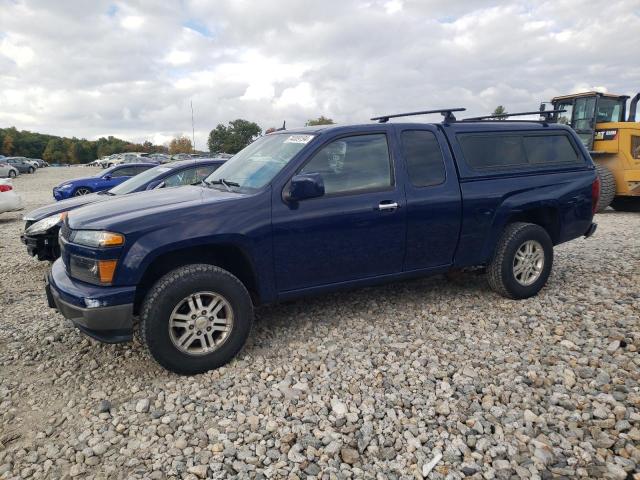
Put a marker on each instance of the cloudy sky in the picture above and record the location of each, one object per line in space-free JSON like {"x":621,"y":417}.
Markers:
{"x":94,"y":68}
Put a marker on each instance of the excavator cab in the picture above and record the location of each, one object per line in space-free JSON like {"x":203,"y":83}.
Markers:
{"x":585,"y":110}
{"x":613,"y":139}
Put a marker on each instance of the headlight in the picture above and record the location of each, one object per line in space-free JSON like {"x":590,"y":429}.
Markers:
{"x":65,"y":186}
{"x":95,"y":238}
{"x":91,"y":270}
{"x":45,"y":224}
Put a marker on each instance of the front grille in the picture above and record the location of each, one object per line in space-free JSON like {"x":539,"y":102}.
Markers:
{"x":65,"y":231}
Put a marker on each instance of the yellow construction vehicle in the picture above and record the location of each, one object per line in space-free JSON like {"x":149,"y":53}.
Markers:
{"x":613,"y":139}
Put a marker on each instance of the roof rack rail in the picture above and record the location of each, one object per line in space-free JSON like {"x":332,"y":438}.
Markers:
{"x":447,"y":113}
{"x":500,"y":116}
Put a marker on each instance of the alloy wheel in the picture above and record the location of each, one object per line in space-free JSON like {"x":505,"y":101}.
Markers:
{"x":528,"y":262}
{"x":200,"y":323}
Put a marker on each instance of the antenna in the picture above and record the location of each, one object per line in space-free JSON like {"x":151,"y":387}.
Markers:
{"x":193,"y":130}
{"x":283,"y":127}
{"x":447,"y":113}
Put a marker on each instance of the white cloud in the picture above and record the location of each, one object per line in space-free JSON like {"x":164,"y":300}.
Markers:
{"x":299,"y":96}
{"x":132,"y":22}
{"x":178,"y":57}
{"x":13,"y":49}
{"x":89,"y":68}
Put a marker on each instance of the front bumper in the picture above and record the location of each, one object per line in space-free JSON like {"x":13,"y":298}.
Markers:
{"x":44,"y":247}
{"x":96,"y":311}
{"x":59,"y":194}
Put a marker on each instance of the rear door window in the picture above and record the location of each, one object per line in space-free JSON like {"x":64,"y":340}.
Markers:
{"x":424,"y":158}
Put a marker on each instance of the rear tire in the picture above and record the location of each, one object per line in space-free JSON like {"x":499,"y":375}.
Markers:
{"x":626,"y":204}
{"x":522,"y":261}
{"x":216,"y":336}
{"x":607,"y":187}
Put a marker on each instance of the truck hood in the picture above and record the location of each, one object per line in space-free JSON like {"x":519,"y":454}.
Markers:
{"x":144,"y":205}
{"x":65,"y":206}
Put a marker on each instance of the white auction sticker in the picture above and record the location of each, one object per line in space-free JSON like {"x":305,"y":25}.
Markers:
{"x":299,"y":139}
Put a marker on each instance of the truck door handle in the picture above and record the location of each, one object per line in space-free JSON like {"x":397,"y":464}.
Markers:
{"x":387,"y":206}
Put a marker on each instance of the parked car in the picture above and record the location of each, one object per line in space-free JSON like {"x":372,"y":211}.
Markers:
{"x":20,"y":163}
{"x":7,"y":170}
{"x":9,"y":199}
{"x":102,"y":181}
{"x":319,"y":209}
{"x":43,"y":224}
{"x":41,"y":163}
{"x":33,"y":162}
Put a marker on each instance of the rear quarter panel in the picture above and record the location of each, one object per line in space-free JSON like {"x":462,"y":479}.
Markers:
{"x":490,"y":204}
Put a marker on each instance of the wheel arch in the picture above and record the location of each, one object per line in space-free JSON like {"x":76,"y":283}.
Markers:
{"x":228,"y":256}
{"x":546,"y":216}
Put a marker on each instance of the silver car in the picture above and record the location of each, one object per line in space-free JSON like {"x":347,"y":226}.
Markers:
{"x":7,"y":170}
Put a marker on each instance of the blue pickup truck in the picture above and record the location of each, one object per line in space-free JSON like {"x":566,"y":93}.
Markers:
{"x":318,"y":209}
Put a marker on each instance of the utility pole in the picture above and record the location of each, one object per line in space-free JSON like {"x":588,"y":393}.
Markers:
{"x":193,"y":131}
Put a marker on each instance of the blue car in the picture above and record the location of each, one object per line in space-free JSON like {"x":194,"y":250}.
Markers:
{"x":105,"y":180}
{"x":42,"y":224}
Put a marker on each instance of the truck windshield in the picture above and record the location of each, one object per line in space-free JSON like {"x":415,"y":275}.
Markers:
{"x":256,"y":165}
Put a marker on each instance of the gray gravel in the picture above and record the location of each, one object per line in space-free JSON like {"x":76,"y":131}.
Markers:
{"x":373,"y":383}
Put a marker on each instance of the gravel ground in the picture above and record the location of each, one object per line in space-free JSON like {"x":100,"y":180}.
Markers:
{"x":374,"y":383}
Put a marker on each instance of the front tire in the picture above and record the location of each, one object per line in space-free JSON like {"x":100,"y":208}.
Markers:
{"x":81,"y":191}
{"x":607,"y":187}
{"x":32,"y":170}
{"x":12,"y":174}
{"x":196,"y":318}
{"x":522,"y":261}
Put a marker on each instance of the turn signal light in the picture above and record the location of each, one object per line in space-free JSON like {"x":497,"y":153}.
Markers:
{"x":5,"y":188}
{"x":106,"y":269}
{"x":111,"y":239}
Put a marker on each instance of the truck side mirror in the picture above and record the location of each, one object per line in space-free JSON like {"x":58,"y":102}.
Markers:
{"x":304,"y":186}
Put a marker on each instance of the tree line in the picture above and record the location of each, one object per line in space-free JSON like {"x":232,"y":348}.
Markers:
{"x":229,"y":138}
{"x":54,"y":149}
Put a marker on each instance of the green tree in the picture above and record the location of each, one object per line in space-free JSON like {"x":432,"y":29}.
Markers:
{"x":7,"y":145}
{"x":233,"y":138}
{"x":55,"y":151}
{"x":180,"y":144}
{"x":321,"y":120}
{"x":499,"y":110}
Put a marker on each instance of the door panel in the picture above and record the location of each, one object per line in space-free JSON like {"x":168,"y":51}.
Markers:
{"x":352,"y":232}
{"x":433,"y":199}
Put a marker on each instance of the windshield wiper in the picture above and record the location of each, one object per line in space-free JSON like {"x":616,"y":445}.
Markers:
{"x":227,"y":183}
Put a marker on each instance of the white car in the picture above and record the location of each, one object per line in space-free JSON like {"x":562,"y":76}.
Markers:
{"x":9,"y":199}
{"x":8,"y":171}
